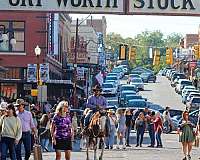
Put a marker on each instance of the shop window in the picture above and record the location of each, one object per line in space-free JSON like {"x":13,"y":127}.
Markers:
{"x":13,"y":29}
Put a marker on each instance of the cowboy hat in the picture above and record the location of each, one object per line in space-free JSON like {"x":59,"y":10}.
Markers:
{"x":3,"y":105}
{"x":111,"y":111}
{"x":19,"y":102}
{"x":97,"y":88}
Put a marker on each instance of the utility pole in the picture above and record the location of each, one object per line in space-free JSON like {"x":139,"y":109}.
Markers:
{"x":75,"y":63}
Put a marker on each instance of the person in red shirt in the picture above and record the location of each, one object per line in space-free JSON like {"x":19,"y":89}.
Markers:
{"x":158,"y":126}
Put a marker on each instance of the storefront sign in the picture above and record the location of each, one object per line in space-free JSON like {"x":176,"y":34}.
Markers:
{"x":164,"y":7}
{"x":70,"y":6}
{"x":44,"y":72}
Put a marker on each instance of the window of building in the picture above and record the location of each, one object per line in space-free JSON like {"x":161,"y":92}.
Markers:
{"x":14,"y":29}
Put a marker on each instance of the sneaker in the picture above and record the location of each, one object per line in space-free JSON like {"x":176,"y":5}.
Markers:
{"x":150,"y":146}
{"x":137,"y":145}
{"x":117,"y":147}
{"x":140,"y":145}
{"x":189,"y":157}
{"x":111,"y":147}
{"x":107,"y":148}
{"x":184,"y":158}
{"x":124,"y":147}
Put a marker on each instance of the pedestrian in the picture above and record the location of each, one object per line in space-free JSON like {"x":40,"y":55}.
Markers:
{"x":61,"y":131}
{"x":129,"y":122}
{"x":47,"y":107}
{"x":11,"y":132}
{"x":167,"y":120}
{"x":75,"y":123}
{"x":121,"y":128}
{"x":111,"y":135}
{"x":44,"y":132}
{"x":187,"y":135}
{"x":140,"y":128}
{"x":28,"y":127}
{"x":3,"y":107}
{"x":158,"y":126}
{"x":150,"y":126}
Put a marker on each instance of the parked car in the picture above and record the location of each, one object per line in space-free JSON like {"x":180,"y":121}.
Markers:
{"x":131,"y":76}
{"x":193,"y":104}
{"x":176,"y":77}
{"x":187,"y":88}
{"x":129,"y":87}
{"x":138,"y":83}
{"x":121,"y":98}
{"x":109,"y":88}
{"x":147,"y":77}
{"x":137,"y":103}
{"x":132,"y":97}
{"x":191,"y":95}
{"x":113,"y":78}
{"x":186,"y":94}
{"x":181,"y":84}
{"x":113,"y":104}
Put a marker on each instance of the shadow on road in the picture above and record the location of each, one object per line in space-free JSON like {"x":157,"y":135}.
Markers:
{"x":147,"y":90}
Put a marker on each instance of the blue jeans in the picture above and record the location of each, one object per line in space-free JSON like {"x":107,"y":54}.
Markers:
{"x":151,"y":134}
{"x":44,"y":143}
{"x":26,"y":140}
{"x":140,"y":136}
{"x":8,"y":144}
{"x":111,"y":137}
{"x":158,"y":139}
{"x":128,"y":131}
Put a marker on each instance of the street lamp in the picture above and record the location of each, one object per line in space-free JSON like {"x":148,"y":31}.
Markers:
{"x":37,"y":53}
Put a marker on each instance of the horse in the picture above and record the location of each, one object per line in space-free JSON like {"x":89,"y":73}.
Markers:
{"x":95,"y":134}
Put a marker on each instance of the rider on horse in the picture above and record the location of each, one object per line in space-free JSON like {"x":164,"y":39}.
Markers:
{"x":97,"y":104}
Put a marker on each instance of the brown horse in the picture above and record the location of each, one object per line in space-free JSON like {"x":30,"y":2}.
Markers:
{"x":95,"y":134}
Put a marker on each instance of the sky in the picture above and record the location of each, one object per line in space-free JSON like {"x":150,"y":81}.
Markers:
{"x":130,"y":26}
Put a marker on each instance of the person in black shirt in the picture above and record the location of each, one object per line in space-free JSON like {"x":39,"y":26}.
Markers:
{"x":129,"y":121}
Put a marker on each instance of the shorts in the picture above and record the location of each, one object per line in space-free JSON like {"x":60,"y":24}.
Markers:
{"x":63,"y":144}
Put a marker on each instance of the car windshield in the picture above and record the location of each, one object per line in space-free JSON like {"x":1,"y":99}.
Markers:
{"x":133,"y":75}
{"x":196,"y":100}
{"x":112,"y":102}
{"x":107,"y":85}
{"x":137,"y":103}
{"x":136,"y":80}
{"x":124,"y":88}
{"x":111,"y":78}
{"x":129,"y":97}
{"x":187,"y":83}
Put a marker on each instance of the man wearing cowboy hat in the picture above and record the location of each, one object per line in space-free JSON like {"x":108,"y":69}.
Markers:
{"x":27,"y":127}
{"x":97,"y":101}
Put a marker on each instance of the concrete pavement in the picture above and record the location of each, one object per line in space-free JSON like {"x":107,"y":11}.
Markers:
{"x":163,"y":94}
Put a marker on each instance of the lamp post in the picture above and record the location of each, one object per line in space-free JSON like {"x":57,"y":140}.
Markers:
{"x":37,"y":53}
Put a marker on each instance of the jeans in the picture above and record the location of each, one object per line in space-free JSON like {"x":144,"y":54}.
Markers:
{"x":8,"y":144}
{"x":44,"y":143}
{"x":166,"y":125}
{"x":151,"y":134}
{"x":128,"y":131}
{"x":158,"y":139}
{"x":111,"y":137}
{"x":26,"y":140}
{"x":140,"y":136}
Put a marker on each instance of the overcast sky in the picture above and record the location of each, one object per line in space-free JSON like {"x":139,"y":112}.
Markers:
{"x":129,"y":26}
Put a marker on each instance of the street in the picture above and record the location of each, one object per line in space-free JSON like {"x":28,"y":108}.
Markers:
{"x":159,"y":93}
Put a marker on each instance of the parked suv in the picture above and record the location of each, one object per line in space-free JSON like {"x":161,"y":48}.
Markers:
{"x":147,"y":77}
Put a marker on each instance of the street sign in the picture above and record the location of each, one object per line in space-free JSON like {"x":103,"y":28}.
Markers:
{"x":164,"y":7}
{"x":69,"y":6}
{"x":42,"y":93}
{"x":32,"y":73}
{"x":44,"y":72}
{"x":80,"y":73}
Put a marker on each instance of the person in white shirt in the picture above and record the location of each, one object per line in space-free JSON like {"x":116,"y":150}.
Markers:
{"x":167,"y":119}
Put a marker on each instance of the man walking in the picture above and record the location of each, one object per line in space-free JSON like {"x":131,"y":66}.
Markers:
{"x":27,"y":127}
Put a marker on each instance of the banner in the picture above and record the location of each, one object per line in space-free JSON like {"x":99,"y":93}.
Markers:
{"x":99,"y":78}
{"x":32,"y":73}
{"x":80,"y":73}
{"x":68,"y":6}
{"x":44,"y":72}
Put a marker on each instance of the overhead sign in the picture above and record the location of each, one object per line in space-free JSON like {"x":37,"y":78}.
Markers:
{"x":70,"y":6}
{"x":164,"y":7}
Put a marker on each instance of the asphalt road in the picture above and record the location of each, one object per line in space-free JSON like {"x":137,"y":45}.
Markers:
{"x":162,"y":93}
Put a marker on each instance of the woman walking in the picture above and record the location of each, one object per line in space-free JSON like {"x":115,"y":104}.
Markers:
{"x":187,"y":135}
{"x":129,"y":122}
{"x":111,"y":136}
{"x":140,"y":128}
{"x":158,"y":126}
{"x":11,"y":132}
{"x":61,"y":131}
{"x":44,"y":131}
{"x":121,"y":129}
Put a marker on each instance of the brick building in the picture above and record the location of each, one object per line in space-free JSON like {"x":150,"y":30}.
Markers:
{"x":190,"y":40}
{"x":51,"y":32}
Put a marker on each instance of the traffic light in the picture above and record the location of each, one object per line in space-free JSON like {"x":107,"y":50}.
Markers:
{"x":132,"y":53}
{"x":169,"y":56}
{"x":156,"y":57}
{"x":122,"y":52}
{"x":196,"y":49}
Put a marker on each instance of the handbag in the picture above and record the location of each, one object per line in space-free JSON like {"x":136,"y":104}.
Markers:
{"x":37,"y":150}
